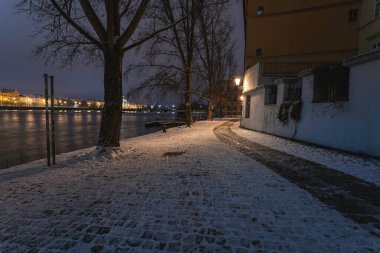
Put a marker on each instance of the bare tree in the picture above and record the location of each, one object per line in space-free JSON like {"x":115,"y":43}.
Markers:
{"x":172,"y":53}
{"x":99,"y":31}
{"x":195,"y":54}
{"x":216,"y":61}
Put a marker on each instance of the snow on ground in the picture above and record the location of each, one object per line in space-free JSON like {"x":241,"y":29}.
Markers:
{"x":365,"y":168}
{"x":183,"y":191}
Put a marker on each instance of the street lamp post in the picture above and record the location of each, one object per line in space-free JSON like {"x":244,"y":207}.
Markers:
{"x":237,"y":82}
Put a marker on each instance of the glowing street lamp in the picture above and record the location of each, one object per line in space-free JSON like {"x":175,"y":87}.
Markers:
{"x":237,"y":81}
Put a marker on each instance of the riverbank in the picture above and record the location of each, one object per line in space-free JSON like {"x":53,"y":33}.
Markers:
{"x":180,"y":191}
{"x":63,"y":108}
{"x":23,"y":136}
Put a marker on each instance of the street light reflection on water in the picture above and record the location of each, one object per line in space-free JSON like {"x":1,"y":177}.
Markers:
{"x":22,"y":133}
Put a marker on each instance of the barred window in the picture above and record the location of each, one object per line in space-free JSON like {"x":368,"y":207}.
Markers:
{"x":259,"y":52}
{"x":292,"y":90}
{"x":331,"y":84}
{"x":270,"y":95}
{"x":247,"y":106}
{"x":260,"y":11}
{"x":353,"y":15}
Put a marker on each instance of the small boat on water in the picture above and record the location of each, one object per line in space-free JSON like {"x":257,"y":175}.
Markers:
{"x":161,"y":123}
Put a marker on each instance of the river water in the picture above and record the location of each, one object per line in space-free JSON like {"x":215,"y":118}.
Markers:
{"x":23,"y":136}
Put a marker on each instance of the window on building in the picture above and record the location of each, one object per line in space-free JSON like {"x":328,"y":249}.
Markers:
{"x":259,"y":52}
{"x":292,"y":90}
{"x":375,"y":46}
{"x":331,"y":84}
{"x":260,"y":11}
{"x":377,"y":8}
{"x":353,"y":15}
{"x":247,"y":106}
{"x":270,"y":95}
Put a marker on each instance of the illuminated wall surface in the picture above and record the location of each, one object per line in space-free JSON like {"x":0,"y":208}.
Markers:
{"x":301,"y":30}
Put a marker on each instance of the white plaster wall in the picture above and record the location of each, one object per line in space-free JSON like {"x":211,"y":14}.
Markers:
{"x":365,"y":99}
{"x":251,"y":78}
{"x":328,"y":124}
{"x":352,"y":125}
{"x":270,"y":122}
{"x":255,"y":121}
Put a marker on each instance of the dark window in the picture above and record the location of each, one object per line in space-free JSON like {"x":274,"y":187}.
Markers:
{"x":292,"y":90}
{"x":376,"y":46}
{"x":353,"y":15}
{"x":259,"y":52}
{"x":331,"y":84}
{"x":247,"y":106}
{"x":260,"y":11}
{"x":270,"y":95}
{"x":377,"y":8}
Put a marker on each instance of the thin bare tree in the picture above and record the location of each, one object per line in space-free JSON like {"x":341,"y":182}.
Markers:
{"x":170,"y":57}
{"x":185,"y":57}
{"x":99,"y":31}
{"x":215,"y":54}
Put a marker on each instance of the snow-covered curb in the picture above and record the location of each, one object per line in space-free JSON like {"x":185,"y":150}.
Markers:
{"x":364,"y":168}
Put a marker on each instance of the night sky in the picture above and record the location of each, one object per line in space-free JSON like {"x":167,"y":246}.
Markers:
{"x":18,"y":70}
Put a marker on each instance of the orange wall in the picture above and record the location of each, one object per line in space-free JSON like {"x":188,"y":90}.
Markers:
{"x":308,"y":30}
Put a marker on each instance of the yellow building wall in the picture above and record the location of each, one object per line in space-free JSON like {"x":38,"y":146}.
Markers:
{"x":301,"y":30}
{"x":369,"y":27}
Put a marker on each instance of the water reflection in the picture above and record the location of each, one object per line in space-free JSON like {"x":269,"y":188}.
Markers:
{"x":22,"y":133}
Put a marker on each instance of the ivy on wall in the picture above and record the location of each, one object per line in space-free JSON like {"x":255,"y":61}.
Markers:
{"x":289,"y":109}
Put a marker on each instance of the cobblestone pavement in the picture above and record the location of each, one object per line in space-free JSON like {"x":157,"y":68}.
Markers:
{"x":353,"y":197}
{"x":183,"y":191}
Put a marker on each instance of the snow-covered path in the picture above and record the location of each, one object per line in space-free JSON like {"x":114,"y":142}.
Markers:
{"x":183,"y":191}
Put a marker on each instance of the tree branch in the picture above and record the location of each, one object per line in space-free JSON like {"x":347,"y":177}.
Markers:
{"x":75,"y":25}
{"x":93,"y":19}
{"x":134,"y":23}
{"x":138,"y":43}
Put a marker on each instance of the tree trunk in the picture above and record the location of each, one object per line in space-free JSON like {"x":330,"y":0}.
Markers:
{"x":188,"y":112}
{"x":209,"y":109}
{"x":188,"y":98}
{"x":109,"y":135}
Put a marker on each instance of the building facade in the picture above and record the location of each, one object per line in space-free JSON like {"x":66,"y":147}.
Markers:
{"x":343,"y":114}
{"x":369,"y":33}
{"x":313,"y":86}
{"x":301,"y":30}
{"x":9,"y":97}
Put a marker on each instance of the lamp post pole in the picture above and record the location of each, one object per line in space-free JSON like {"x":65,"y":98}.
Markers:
{"x":47,"y":119}
{"x":52,"y":118}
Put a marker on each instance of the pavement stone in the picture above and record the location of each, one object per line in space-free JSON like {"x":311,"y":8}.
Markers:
{"x":206,"y":198}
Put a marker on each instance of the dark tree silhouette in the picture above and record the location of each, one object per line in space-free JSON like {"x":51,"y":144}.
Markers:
{"x":173,"y":54}
{"x":215,"y":53}
{"x":99,"y":31}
